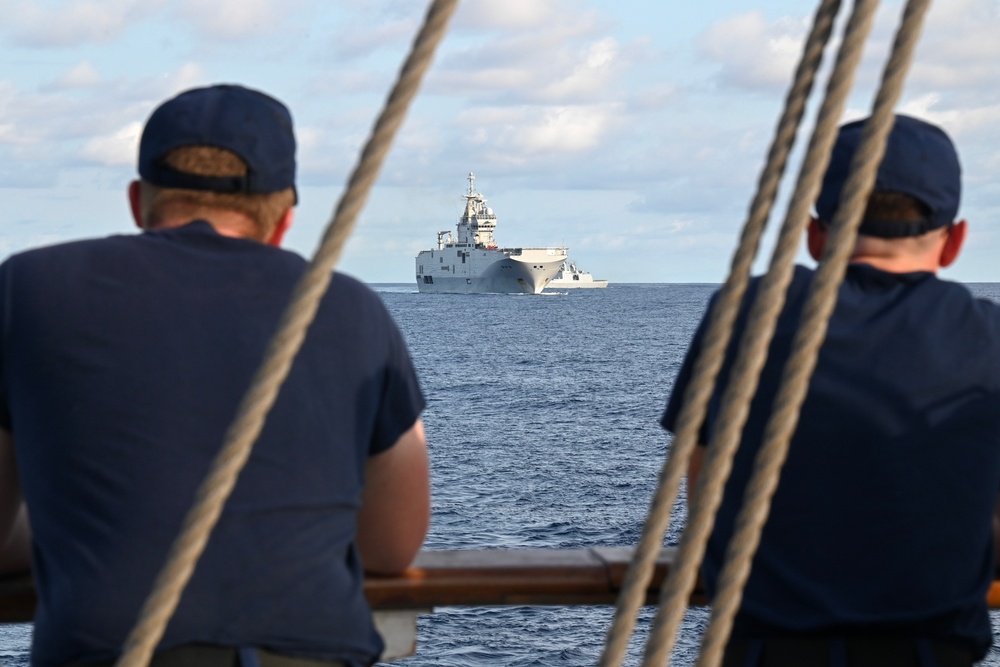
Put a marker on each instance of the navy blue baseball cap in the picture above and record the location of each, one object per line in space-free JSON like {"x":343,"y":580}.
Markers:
{"x":920,"y":161}
{"x":251,"y":124}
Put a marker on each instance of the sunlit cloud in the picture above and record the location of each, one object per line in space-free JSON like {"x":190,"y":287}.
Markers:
{"x":522,"y":132}
{"x":510,"y":14}
{"x":753,"y":53}
{"x":117,"y":149}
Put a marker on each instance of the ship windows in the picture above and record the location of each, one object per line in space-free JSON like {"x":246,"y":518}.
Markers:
{"x":428,"y":280}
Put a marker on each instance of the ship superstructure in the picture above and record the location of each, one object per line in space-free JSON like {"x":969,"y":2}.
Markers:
{"x":571,"y":277}
{"x":471,"y":262}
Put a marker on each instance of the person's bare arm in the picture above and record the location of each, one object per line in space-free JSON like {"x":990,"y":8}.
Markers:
{"x":15,"y":536}
{"x":395,"y":504}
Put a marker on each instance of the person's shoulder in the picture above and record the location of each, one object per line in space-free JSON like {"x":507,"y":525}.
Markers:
{"x":798,"y":288}
{"x":57,"y":254}
{"x":351,"y":294}
{"x":962,"y":304}
{"x":348,"y":287}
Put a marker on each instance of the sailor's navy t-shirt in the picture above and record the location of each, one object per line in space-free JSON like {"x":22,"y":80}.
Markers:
{"x":882,"y":519}
{"x":122,"y":364}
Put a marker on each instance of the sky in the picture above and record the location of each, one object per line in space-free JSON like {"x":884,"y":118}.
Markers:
{"x":630,"y":131}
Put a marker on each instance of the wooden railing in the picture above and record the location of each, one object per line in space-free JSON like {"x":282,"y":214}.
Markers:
{"x":479,"y":577}
{"x":466,"y":578}
{"x":473,"y":577}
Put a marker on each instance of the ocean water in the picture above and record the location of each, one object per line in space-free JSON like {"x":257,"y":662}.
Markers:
{"x":542,"y":419}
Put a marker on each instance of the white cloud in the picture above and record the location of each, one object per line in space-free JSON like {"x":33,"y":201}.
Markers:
{"x":592,"y":73}
{"x":353,"y":43}
{"x":752,"y":52}
{"x":71,"y":23}
{"x":187,"y":75}
{"x":21,"y":117}
{"x":508,"y":14}
{"x":574,"y":69}
{"x":515,"y":134}
{"x":959,"y":46}
{"x":81,"y":75}
{"x":237,"y":19}
{"x":117,"y":149}
{"x":10,"y":135}
{"x":653,"y":98}
{"x":49,"y":131}
{"x":77,"y":22}
{"x":565,"y":129}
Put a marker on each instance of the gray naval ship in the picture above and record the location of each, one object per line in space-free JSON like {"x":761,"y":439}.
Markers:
{"x":470,"y":262}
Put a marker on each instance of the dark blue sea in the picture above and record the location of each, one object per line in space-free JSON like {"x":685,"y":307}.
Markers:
{"x":542,"y":419}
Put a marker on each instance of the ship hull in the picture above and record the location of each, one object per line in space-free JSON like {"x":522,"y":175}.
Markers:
{"x":576,"y":284}
{"x":570,"y":277}
{"x":487,"y":271}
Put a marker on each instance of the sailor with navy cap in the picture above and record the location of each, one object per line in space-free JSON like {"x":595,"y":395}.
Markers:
{"x":879,"y":547}
{"x":122,"y":363}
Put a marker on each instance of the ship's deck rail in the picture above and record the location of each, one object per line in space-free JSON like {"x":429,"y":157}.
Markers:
{"x":471,"y":578}
{"x":465,"y":578}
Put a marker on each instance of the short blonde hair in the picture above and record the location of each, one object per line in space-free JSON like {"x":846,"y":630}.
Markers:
{"x":264,"y":210}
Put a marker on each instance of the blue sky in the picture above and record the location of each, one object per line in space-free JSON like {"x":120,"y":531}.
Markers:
{"x":630,"y":131}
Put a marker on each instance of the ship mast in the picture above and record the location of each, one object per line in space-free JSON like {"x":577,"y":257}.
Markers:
{"x":478,"y":222}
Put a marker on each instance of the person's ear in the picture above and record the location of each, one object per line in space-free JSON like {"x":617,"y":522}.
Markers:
{"x":135,"y":202}
{"x":815,"y":239}
{"x":953,"y":243}
{"x":284,"y":222}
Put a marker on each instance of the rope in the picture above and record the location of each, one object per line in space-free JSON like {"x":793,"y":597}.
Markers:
{"x":718,"y":332}
{"x":809,"y":337}
{"x":753,"y":346}
{"x":256,"y":403}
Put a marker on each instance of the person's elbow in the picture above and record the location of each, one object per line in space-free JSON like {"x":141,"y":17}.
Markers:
{"x":395,"y":510}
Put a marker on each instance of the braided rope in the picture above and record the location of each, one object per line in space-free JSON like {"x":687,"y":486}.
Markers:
{"x":719,"y":329}
{"x":267,"y":381}
{"x":809,"y":337}
{"x":754,"y":343}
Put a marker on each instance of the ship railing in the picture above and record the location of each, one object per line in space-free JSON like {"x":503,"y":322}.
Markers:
{"x":466,"y":578}
{"x":454,"y":578}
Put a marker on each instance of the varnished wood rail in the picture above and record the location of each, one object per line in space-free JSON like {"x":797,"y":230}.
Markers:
{"x":470,"y":578}
{"x":485,"y":577}
{"x":467,"y":578}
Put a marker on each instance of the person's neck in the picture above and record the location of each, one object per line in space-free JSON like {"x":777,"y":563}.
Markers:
{"x":225,"y":223}
{"x":897,"y":264}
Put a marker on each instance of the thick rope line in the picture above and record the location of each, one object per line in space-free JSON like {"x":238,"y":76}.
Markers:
{"x":809,"y":337}
{"x":243,"y":432}
{"x":753,"y":346}
{"x":717,"y":337}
